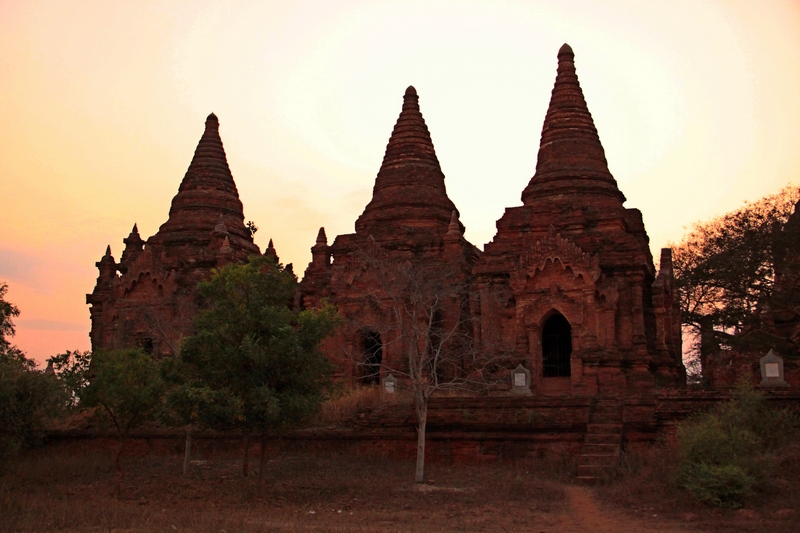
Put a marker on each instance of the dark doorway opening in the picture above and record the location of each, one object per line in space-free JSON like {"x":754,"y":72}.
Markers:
{"x":146,"y":344}
{"x":372,"y":357}
{"x":556,"y":347}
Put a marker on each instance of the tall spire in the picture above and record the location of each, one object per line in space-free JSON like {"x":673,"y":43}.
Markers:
{"x":571,"y":158}
{"x":410,"y":141}
{"x":207,"y":197}
{"x":409,"y":189}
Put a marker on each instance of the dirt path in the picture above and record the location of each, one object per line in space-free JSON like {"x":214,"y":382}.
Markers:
{"x":584,"y":514}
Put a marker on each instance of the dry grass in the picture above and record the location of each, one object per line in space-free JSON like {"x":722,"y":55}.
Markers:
{"x":68,"y":488}
{"x":344,"y":406}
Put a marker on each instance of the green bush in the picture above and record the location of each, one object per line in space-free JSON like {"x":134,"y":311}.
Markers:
{"x":28,"y":400}
{"x":726,"y":454}
{"x":722,"y":485}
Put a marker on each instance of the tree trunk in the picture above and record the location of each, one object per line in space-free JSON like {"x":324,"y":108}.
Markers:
{"x":118,"y":465}
{"x":246,"y":457}
{"x":262,"y":467}
{"x":422,"y":421}
{"x":187,"y":453}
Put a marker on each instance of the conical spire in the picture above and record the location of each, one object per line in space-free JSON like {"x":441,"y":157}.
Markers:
{"x":321,"y":237}
{"x":571,"y":158}
{"x":226,"y":246}
{"x":454,"y":228}
{"x":270,"y":251}
{"x":410,"y":141}
{"x":107,"y":266}
{"x":409,"y":188}
{"x":134,"y":237}
{"x":133,"y":247}
{"x":206,"y":198}
{"x":220,"y":228}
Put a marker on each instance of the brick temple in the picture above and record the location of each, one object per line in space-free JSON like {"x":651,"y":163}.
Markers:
{"x":148,"y":298}
{"x":567,"y":287}
{"x":567,"y":290}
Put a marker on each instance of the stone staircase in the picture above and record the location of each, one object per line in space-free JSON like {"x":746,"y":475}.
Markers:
{"x":603,"y":441}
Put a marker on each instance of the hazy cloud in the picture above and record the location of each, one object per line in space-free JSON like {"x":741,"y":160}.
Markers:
{"x":19,"y":267}
{"x":48,"y":325}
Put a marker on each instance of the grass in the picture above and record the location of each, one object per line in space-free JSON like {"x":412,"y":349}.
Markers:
{"x":69,"y":488}
{"x":344,"y":406}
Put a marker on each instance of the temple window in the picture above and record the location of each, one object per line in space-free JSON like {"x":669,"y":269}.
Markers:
{"x":372,"y":356}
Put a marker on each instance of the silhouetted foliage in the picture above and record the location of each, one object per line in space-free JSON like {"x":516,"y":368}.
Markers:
{"x":725,"y":272}
{"x":72,"y":370}
{"x":7,"y":312}
{"x":254,"y":358}
{"x":251,"y":226}
{"x":29,"y":398}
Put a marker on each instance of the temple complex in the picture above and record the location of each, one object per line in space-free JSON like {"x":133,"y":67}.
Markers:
{"x":149,"y":297}
{"x":584,"y":330}
{"x":567,"y":288}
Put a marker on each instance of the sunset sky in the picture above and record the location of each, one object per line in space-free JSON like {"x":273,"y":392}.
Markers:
{"x":102,"y":103}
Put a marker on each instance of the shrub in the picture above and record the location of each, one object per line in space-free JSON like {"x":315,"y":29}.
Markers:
{"x":727,"y":454}
{"x":721,"y":485}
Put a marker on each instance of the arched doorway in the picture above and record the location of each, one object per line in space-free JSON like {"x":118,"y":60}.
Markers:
{"x":556,"y":347}
{"x":371,"y":357}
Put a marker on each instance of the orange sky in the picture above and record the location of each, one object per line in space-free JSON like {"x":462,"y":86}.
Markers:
{"x":102,"y":104}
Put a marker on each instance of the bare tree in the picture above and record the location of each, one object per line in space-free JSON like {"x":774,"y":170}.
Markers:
{"x":424,"y":303}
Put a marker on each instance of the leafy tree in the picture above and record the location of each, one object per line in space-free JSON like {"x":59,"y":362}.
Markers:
{"x":7,"y":312}
{"x":725,"y":271}
{"x":72,"y":370}
{"x":251,"y":226}
{"x":28,"y":397}
{"x":192,"y":404}
{"x":28,"y":400}
{"x":253,"y":348}
{"x":127,"y":386}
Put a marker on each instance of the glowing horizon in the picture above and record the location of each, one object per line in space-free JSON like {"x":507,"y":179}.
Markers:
{"x":103,"y":105}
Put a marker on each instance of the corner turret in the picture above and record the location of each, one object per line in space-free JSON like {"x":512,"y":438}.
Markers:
{"x":133,"y":248}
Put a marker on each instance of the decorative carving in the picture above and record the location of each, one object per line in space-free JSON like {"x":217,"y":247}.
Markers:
{"x":555,"y":247}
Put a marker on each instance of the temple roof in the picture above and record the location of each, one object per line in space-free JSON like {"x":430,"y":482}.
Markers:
{"x":409,"y":189}
{"x":571,"y":159}
{"x":207,"y":196}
